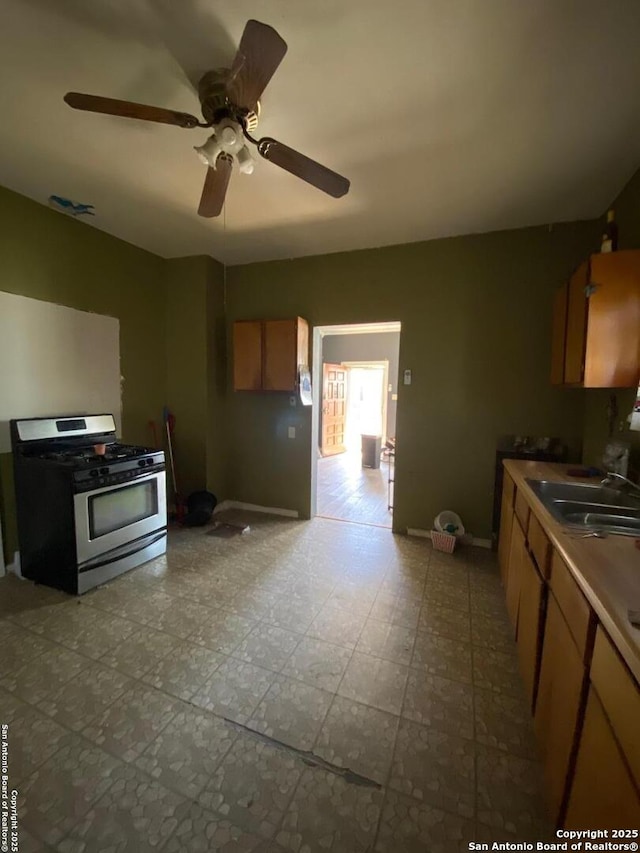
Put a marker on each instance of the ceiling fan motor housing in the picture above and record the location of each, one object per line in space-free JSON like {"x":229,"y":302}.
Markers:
{"x":212,"y":91}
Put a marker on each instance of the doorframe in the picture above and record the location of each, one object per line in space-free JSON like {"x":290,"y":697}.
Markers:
{"x":319,"y":332}
{"x":384,"y":364}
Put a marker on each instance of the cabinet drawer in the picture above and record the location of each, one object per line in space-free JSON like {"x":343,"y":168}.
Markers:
{"x":575,"y":608}
{"x":539,"y":546}
{"x":620,"y":697}
{"x":522,"y":511}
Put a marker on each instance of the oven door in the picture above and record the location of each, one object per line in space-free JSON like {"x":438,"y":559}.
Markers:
{"x":112,"y":519}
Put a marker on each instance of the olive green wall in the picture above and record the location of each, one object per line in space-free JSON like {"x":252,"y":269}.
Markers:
{"x":217,"y":380}
{"x":48,"y":256}
{"x":476,"y":331}
{"x":627,"y":209}
{"x":195,"y":370}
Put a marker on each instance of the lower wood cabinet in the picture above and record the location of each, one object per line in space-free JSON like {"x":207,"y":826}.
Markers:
{"x":602,"y":795}
{"x":584,"y":697}
{"x":559,"y":705}
{"x":506,"y":524}
{"x":530,"y":620}
{"x":517,"y":554}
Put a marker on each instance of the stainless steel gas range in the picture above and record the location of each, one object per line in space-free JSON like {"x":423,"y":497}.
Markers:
{"x":88,"y":507}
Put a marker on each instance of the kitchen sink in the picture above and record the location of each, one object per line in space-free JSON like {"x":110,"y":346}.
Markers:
{"x":548,"y":490}
{"x":590,"y":506}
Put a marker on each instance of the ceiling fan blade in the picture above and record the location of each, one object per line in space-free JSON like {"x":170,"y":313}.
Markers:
{"x":303,"y":167}
{"x":260,"y":52}
{"x":215,"y":187}
{"x":128,"y":109}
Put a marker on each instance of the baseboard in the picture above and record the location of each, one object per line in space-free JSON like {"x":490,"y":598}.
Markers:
{"x":270,"y":510}
{"x":426,"y":534}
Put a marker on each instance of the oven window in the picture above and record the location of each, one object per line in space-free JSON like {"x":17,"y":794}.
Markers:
{"x":110,"y":511}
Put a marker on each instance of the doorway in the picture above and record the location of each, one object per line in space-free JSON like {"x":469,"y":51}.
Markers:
{"x":355,"y":385}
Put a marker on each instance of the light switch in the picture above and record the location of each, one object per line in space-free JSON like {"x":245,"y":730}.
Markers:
{"x":292,"y":432}
{"x":394,"y":398}
{"x":407,"y":377}
{"x":292,"y":401}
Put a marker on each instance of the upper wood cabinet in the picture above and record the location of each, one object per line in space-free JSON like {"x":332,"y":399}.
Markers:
{"x":268,"y":353}
{"x":596,"y":324}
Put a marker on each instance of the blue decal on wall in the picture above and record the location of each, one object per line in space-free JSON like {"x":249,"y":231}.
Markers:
{"x":73,"y":208}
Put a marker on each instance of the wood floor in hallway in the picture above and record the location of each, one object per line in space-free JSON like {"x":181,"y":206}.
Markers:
{"x":350,"y":492}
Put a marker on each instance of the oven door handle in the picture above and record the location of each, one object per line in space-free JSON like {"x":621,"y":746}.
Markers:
{"x":156,"y":474}
{"x":122,"y":551}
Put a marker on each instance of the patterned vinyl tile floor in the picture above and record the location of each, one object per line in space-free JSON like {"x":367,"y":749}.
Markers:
{"x":308,"y":686}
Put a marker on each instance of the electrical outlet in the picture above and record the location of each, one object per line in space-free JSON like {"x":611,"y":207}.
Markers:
{"x":292,"y":432}
{"x":292,"y":401}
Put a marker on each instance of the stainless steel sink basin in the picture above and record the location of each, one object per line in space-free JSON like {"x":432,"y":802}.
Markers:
{"x":548,"y":490}
{"x":590,"y":506}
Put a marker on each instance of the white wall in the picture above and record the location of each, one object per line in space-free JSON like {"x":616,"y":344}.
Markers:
{"x":56,"y":361}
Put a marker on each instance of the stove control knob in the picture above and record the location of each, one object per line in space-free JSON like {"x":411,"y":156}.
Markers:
{"x":149,"y":461}
{"x":93,"y":472}
{"x":141,"y":463}
{"x":104,"y":471}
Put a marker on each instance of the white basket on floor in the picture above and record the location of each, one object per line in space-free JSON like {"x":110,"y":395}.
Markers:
{"x":443,"y":541}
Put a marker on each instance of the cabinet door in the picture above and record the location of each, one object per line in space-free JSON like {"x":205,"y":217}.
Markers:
{"x":504,"y":543}
{"x":563,"y":679}
{"x":280,"y":355}
{"x":530,"y":624}
{"x":247,"y":355}
{"x":602,"y":795}
{"x":517,"y":553}
{"x":559,"y":335}
{"x":539,"y":545}
{"x":620,"y":696}
{"x":613,"y":326}
{"x":576,"y":327}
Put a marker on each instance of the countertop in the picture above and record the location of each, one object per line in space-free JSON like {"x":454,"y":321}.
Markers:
{"x":607,"y":570}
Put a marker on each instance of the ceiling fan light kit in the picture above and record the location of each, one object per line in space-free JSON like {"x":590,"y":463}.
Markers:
{"x":230,"y":104}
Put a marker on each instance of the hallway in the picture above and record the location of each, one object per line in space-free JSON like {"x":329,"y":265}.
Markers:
{"x":349,"y":492}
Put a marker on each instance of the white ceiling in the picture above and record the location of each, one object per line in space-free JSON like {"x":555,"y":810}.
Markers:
{"x":448,"y":116}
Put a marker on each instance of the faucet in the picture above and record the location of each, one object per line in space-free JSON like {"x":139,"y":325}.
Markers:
{"x":615,"y":479}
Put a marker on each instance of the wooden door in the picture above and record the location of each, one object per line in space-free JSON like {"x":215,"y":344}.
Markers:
{"x":576,"y":326}
{"x":559,"y":706}
{"x":247,"y":355}
{"x":603,"y":795}
{"x":334,"y":412}
{"x":280,"y":355}
{"x":559,"y":335}
{"x":530,"y":624}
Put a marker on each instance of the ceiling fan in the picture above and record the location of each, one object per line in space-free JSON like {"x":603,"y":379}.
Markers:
{"x":230,"y":103}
